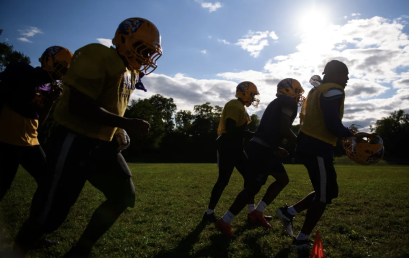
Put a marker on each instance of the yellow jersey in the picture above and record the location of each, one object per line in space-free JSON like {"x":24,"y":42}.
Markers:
{"x":16,"y":129}
{"x":98,"y":72}
{"x":235,"y":110}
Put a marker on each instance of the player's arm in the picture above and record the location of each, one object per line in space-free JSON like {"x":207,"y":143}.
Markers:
{"x":83,"y":106}
{"x":330,"y":105}
{"x":237,"y":131}
{"x":284,"y":126}
{"x":44,"y":112}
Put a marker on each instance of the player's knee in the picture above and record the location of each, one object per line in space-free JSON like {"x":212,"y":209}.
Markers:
{"x":222,"y":182}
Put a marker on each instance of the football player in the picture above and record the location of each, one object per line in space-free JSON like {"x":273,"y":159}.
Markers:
{"x":321,"y":126}
{"x":264,"y":154}
{"x":27,"y":96}
{"x":99,"y":85}
{"x":231,"y":132}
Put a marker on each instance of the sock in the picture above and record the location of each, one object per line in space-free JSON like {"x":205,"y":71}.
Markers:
{"x":302,"y":236}
{"x":251,"y":207}
{"x":228,"y":217}
{"x":261,"y":206}
{"x":209,"y":211}
{"x":291,"y":210}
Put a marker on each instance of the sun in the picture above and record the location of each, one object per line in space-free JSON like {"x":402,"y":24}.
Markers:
{"x":312,"y":21}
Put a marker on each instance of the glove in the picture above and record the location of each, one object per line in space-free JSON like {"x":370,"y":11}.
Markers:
{"x":123,"y":139}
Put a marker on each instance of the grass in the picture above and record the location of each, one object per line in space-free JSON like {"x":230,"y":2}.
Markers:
{"x":369,"y":219}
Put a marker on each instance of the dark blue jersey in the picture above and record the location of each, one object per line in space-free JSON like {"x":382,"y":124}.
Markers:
{"x":22,"y":87}
{"x":268,"y":130}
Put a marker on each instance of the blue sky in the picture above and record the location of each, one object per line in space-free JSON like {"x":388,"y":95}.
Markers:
{"x":209,"y":46}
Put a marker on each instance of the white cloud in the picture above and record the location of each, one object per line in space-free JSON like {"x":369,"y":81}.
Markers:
{"x":24,"y":40}
{"x":187,"y":91}
{"x":345,"y":17}
{"x":7,"y":39}
{"x":105,"y":42}
{"x":224,"y":41}
{"x":30,"y":31}
{"x":212,"y":7}
{"x":209,"y":37}
{"x":355,"y":14}
{"x":203,"y":51}
{"x":376,"y":51}
{"x":254,"y":42}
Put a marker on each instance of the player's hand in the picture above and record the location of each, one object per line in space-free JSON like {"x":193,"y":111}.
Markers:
{"x":282,"y":153}
{"x":123,"y":139}
{"x":55,"y":93}
{"x":137,"y":127}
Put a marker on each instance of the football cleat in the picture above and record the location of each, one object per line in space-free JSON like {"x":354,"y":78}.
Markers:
{"x":209,"y":217}
{"x":257,"y":216}
{"x":268,"y":218}
{"x":286,"y":219}
{"x":302,"y":245}
{"x":224,"y":227}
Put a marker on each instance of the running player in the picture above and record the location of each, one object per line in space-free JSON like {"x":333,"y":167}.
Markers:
{"x":231,"y":133}
{"x":321,"y":126}
{"x":264,"y":153}
{"x":99,"y":85}
{"x":27,"y":96}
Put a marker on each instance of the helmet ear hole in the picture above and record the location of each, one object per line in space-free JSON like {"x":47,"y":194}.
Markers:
{"x":122,"y":39}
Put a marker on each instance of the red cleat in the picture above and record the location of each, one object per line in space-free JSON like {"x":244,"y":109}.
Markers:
{"x":259,"y":216}
{"x":223,"y":227}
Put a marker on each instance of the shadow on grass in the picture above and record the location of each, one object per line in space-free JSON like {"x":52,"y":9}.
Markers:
{"x":184,"y":246}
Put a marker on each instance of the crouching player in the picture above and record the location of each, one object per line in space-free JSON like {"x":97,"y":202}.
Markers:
{"x":321,"y":126}
{"x":99,"y":85}
{"x":264,"y":154}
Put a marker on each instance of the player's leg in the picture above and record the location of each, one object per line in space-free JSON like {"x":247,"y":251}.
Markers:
{"x":57,"y":192}
{"x":324,"y":180}
{"x":226,"y":162}
{"x":254,"y":181}
{"x":279,"y":173}
{"x":34,"y":162}
{"x":109,"y":174}
{"x":9,"y":162}
{"x":241,"y":164}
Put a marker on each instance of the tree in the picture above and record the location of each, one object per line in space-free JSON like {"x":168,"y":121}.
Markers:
{"x":8,"y":55}
{"x":167,"y":107}
{"x":394,"y":130}
{"x":184,"y":120}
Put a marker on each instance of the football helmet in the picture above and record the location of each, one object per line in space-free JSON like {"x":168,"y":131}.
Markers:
{"x":56,"y":61}
{"x":138,"y":41}
{"x":364,"y":148}
{"x":247,"y":91}
{"x":292,"y":88}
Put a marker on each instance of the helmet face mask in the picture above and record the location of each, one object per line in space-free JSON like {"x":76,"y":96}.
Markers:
{"x":138,"y":41}
{"x":55,"y":61}
{"x":366,"y":149}
{"x":247,"y":92}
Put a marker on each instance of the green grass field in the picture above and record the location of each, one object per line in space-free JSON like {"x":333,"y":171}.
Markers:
{"x":369,"y":219}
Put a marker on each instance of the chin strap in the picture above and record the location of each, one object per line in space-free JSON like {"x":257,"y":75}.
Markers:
{"x":139,"y":84}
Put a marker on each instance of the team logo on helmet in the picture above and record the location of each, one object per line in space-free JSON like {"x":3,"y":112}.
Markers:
{"x":129,"y":26}
{"x":243,"y":87}
{"x":364,"y":148}
{"x":51,"y":51}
